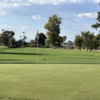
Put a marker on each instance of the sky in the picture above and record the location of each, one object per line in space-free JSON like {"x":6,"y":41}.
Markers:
{"x":31,"y":15}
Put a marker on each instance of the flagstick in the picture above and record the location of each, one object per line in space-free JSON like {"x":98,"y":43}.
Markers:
{"x":37,"y":37}
{"x":37,"y":51}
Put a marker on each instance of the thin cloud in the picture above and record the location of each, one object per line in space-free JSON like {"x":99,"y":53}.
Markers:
{"x":55,"y":2}
{"x":10,"y":27}
{"x":96,"y":1}
{"x":13,"y":4}
{"x":3,"y":12}
{"x":86,"y":15}
{"x":18,"y":3}
{"x":35,"y":17}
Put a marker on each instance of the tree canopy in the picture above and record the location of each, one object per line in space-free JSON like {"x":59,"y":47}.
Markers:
{"x":97,"y":24}
{"x":7,"y":38}
{"x":41,"y":39}
{"x":87,"y":40}
{"x":78,"y":41}
{"x":53,"y":30}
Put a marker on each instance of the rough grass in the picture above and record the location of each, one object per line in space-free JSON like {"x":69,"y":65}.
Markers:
{"x":50,"y":82}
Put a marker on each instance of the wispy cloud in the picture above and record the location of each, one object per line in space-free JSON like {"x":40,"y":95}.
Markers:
{"x":21,"y":7}
{"x":96,"y":1}
{"x":3,"y":12}
{"x":10,"y":27}
{"x":13,"y":4}
{"x":18,"y":3}
{"x":35,"y":17}
{"x":55,"y":2}
{"x":35,"y":7}
{"x":5,"y":26}
{"x":86,"y":15}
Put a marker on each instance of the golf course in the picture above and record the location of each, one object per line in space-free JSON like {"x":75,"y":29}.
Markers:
{"x":49,"y":74}
{"x":49,"y":49}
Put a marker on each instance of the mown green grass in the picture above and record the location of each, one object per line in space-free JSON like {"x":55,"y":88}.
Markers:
{"x":50,"y":82}
{"x":48,"y":56}
{"x":60,"y":75}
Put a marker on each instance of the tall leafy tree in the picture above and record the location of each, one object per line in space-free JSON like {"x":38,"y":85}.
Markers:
{"x":97,"y":24}
{"x":64,"y":38}
{"x":95,"y":42}
{"x":98,"y":38}
{"x":12,"y":42}
{"x":42,"y":39}
{"x":6,"y":37}
{"x":59,"y":40}
{"x":53,"y":29}
{"x":78,"y":42}
{"x":87,"y":39}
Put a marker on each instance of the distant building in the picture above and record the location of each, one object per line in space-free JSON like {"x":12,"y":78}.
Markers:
{"x":68,"y":44}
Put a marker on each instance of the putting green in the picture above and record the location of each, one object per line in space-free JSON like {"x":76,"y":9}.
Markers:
{"x":50,"y":82}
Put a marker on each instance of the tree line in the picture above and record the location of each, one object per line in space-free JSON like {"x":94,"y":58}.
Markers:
{"x":86,"y":39}
{"x":51,"y":39}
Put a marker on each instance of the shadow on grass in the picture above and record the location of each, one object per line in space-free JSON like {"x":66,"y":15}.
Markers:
{"x":1,"y":50}
{"x":20,"y":53}
{"x":17,"y":99}
{"x":10,"y":60}
{"x":14,"y":61}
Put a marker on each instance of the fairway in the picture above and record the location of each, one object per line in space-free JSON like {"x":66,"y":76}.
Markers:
{"x":60,"y":74}
{"x":47,"y":56}
{"x":50,"y":82}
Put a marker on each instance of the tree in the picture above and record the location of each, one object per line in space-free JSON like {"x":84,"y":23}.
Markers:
{"x":95,"y":43}
{"x":42,"y":39}
{"x":6,"y":37}
{"x":32,"y":43}
{"x":98,"y":38}
{"x":53,"y":27}
{"x":19,"y":43}
{"x":97,"y":24}
{"x":87,"y":39}
{"x":78,"y":41}
{"x":64,"y":38}
{"x":11,"y":42}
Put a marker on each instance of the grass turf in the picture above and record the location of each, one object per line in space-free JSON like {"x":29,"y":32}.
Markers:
{"x":60,"y":75}
{"x":50,"y":82}
{"x":47,"y":56}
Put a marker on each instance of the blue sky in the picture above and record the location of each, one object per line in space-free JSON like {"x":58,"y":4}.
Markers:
{"x":29,"y":15}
